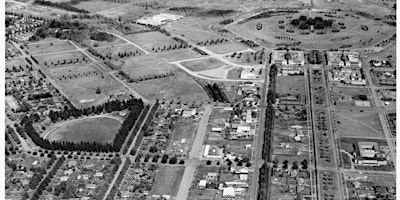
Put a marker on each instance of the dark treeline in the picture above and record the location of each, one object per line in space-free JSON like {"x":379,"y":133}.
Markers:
{"x":40,"y":96}
{"x":216,"y":93}
{"x":144,"y":130}
{"x":133,"y":105}
{"x":318,"y":22}
{"x":269,"y":122}
{"x":63,"y":5}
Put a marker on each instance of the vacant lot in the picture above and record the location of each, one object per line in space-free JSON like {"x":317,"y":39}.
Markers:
{"x":181,"y":86}
{"x":194,"y":28}
{"x":167,"y":180}
{"x":292,"y":85}
{"x":171,"y":56}
{"x":50,"y":47}
{"x":226,"y":48}
{"x":358,"y":124}
{"x":82,"y":91}
{"x":99,"y":129}
{"x":149,"y":40}
{"x":96,"y":6}
{"x":78,"y":70}
{"x":61,"y":57}
{"x":16,"y":63}
{"x":203,"y":64}
{"x":115,"y":50}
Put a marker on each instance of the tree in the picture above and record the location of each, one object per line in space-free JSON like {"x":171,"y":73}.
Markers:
{"x":304,"y":164}
{"x":294,"y":166}
{"x":208,"y":162}
{"x":173,"y":160}
{"x":98,"y":91}
{"x":285,"y":164}
{"x":275,"y":162}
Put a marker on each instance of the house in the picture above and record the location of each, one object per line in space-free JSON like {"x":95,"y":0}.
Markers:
{"x":91,"y":186}
{"x":202,"y":183}
{"x":228,"y":193}
{"x":64,"y":178}
{"x":98,"y":174}
{"x":188,"y":113}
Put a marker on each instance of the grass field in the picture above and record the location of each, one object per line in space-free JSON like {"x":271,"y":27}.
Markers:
{"x":84,"y":89}
{"x":220,"y":73}
{"x":96,"y":5}
{"x":203,"y":64}
{"x":195,"y":28}
{"x":99,"y":129}
{"x":226,"y":48}
{"x":181,"y":86}
{"x":60,"y":57}
{"x":292,"y":85}
{"x":167,"y":180}
{"x":114,"y":50}
{"x":234,"y":73}
{"x":50,"y":47}
{"x":143,"y":66}
{"x":149,"y":40}
{"x":359,"y":124}
{"x":16,"y":62}
{"x":171,"y":56}
{"x":70,"y":70}
{"x":96,"y":43}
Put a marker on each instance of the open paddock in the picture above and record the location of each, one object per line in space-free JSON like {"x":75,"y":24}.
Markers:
{"x":167,"y":180}
{"x":16,"y":63}
{"x":61,"y":57}
{"x":50,"y":47}
{"x":76,"y":70}
{"x":148,"y":40}
{"x":358,"y":124}
{"x":138,"y":73}
{"x":82,"y":91}
{"x":115,"y":50}
{"x":195,"y":28}
{"x":203,"y":64}
{"x":220,"y":73}
{"x":171,"y":56}
{"x":96,"y":43}
{"x":94,"y":6}
{"x":292,"y":85}
{"x":226,"y":48}
{"x":177,"y":87}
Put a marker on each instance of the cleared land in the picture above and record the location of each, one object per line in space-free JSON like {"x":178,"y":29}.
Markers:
{"x":60,"y":57}
{"x":292,"y":85}
{"x":96,"y":6}
{"x":149,"y":40}
{"x":195,"y":28}
{"x":114,"y":50}
{"x":203,"y":64}
{"x":359,"y":124}
{"x":50,"y":47}
{"x":99,"y":129}
{"x":180,"y":86}
{"x":167,"y":180}
{"x":226,"y":48}
{"x":82,"y":91}
{"x":78,"y":70}
{"x":16,"y":62}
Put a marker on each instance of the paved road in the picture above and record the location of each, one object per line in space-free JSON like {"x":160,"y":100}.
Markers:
{"x":195,"y":154}
{"x":258,"y":140}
